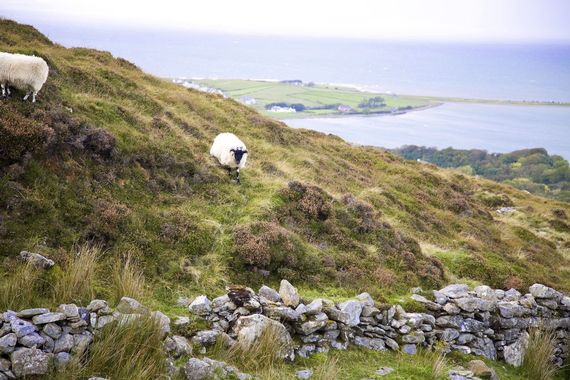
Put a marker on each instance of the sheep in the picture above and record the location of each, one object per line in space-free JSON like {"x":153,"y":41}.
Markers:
{"x":25,"y":72}
{"x":230,"y":152}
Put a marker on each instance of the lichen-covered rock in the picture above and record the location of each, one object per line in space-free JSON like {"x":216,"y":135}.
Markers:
{"x":375,"y":344}
{"x":455,"y":291}
{"x":29,"y":361}
{"x":37,"y":260}
{"x":289,"y":294}
{"x":129,"y":305}
{"x":304,"y":374}
{"x":269,"y":294}
{"x":353,"y":308}
{"x":200,"y":306}
{"x":250,"y":328}
{"x":7,"y":343}
{"x":542,"y":291}
{"x":482,"y":370}
{"x":42,"y":319}
{"x":514,"y":353}
{"x":97,"y":305}
{"x":177,"y":346}
{"x":208,"y":369}
{"x":28,"y":313}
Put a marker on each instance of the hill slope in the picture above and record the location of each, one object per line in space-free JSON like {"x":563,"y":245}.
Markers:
{"x":118,"y":158}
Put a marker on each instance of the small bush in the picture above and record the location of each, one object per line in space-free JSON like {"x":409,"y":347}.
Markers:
{"x":538,"y":361}
{"x":77,"y":280}
{"x":310,"y":200}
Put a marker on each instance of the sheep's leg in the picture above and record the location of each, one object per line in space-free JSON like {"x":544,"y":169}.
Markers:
{"x":27,"y":96}
{"x":3,"y":89}
{"x":237,"y":177}
{"x":230,"y":172}
{"x":34,"y":97}
{"x":8,"y":90}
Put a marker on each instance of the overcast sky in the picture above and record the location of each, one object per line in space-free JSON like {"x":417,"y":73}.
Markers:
{"x":480,"y":20}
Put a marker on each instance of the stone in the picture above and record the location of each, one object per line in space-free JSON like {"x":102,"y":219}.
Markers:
{"x":177,"y":346}
{"x":81,"y":342}
{"x":37,"y":260}
{"x":62,"y":359}
{"x":528,"y":301}
{"x":250,"y":328}
{"x":485,"y":292}
{"x":129,"y":305}
{"x":482,"y":370}
{"x":306,"y":350}
{"x":183,"y":301}
{"x":414,"y":337}
{"x":514,"y":353}
{"x":64,"y":344}
{"x":289,"y":294}
{"x":311,"y":326}
{"x":28,"y":313}
{"x":449,"y":335}
{"x":97,"y":305}
{"x":5,"y":365}
{"x":510,"y":309}
{"x":542,"y":291}
{"x":454,"y":321}
{"x":409,"y":349}
{"x":353,"y":308}
{"x":451,"y":309}
{"x":269,"y":294}
{"x":439,"y":297}
{"x":29,"y":361}
{"x":391,"y":343}
{"x":383,"y":371}
{"x":304,"y":374}
{"x":7,"y":343}
{"x":206,"y":369}
{"x":455,"y":291}
{"x":472,"y":326}
{"x":71,"y":310}
{"x":282,"y":313}
{"x":42,"y":319}
{"x":375,"y":344}
{"x":181,"y":321}
{"x":315,"y":307}
{"x":465,"y":339}
{"x":206,"y":337}
{"x":163,"y":322}
{"x":365,"y":299}
{"x":337,"y":315}
{"x":31,"y":340}
{"x":104,"y":320}
{"x":21,"y":327}
{"x":200,"y":306}
{"x":461,"y":374}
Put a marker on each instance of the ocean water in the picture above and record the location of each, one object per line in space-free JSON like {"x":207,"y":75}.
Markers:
{"x":495,"y":128}
{"x":500,"y":71}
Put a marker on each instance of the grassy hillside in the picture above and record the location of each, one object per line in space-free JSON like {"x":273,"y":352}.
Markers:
{"x":115,"y":158}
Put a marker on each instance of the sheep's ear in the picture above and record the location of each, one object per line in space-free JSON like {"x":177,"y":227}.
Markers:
{"x":232,"y":150}
{"x":245,"y":151}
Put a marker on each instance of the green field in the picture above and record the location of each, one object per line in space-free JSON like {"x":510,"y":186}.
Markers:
{"x":316,"y":97}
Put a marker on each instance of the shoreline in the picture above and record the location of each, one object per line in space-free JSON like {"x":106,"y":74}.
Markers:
{"x":354,"y":114}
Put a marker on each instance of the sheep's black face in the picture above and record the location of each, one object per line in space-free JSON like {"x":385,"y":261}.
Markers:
{"x":238,"y":154}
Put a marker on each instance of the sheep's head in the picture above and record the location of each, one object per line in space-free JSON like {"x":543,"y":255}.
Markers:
{"x":238,"y":153}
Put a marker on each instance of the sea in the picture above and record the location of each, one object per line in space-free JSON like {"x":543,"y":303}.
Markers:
{"x":470,"y":70}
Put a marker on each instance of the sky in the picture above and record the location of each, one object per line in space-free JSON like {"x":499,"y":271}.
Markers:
{"x":468,"y":20}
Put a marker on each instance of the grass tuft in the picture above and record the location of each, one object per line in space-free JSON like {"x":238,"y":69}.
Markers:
{"x":538,"y":361}
{"x":20,"y":290}
{"x":128,"y":280}
{"x":77,"y":281}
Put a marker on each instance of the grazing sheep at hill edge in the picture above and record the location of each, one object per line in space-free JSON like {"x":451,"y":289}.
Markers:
{"x":25,"y":72}
{"x":230,"y":152}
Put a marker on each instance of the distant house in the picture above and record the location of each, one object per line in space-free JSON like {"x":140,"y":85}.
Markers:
{"x":247,"y":100}
{"x":344,"y":108}
{"x":282,"y":109}
{"x":293,"y":82}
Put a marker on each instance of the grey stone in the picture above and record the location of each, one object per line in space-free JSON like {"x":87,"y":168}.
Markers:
{"x":7,"y":343}
{"x":528,"y":301}
{"x":542,"y":291}
{"x":391,"y":343}
{"x":28,"y":313}
{"x":365,"y":299}
{"x":129,"y":305}
{"x":81,"y":342}
{"x":104,"y":320}
{"x":269,"y":293}
{"x":42,"y":319}
{"x":21,"y":327}
{"x":414,"y":337}
{"x":454,"y":321}
{"x":472,"y":326}
{"x":409,"y":349}
{"x":514,"y":353}
{"x":37,"y":260}
{"x":5,"y":365}
{"x":482,"y":370}
{"x":163,"y":322}
{"x":315,"y":307}
{"x":250,"y":328}
{"x":206,"y":337}
{"x":455,"y":291}
{"x":449,"y":335}
{"x":375,"y":344}
{"x":306,"y":350}
{"x":177,"y":346}
{"x":353,"y":308}
{"x":465,"y":338}
{"x":512,"y":295}
{"x":451,"y":309}
{"x":485,"y":292}
{"x":31,"y":340}
{"x":289,"y":294}
{"x":97,"y":305}
{"x":282,"y":313}
{"x":337,"y":315}
{"x":304,"y":374}
{"x":71,"y":310}
{"x":439,"y":297}
{"x":383,"y":371}
{"x":311,"y":326}
{"x":64,"y":344}
{"x":62,"y":359}
{"x":200,"y":306}
{"x":29,"y":361}
{"x":510,"y":309}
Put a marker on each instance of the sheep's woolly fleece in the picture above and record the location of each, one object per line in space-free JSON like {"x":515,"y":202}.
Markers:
{"x":25,"y":72}
{"x":221,"y":149}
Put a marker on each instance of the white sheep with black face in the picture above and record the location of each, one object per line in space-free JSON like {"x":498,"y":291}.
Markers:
{"x":230,"y":152}
{"x":24,"y":72}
